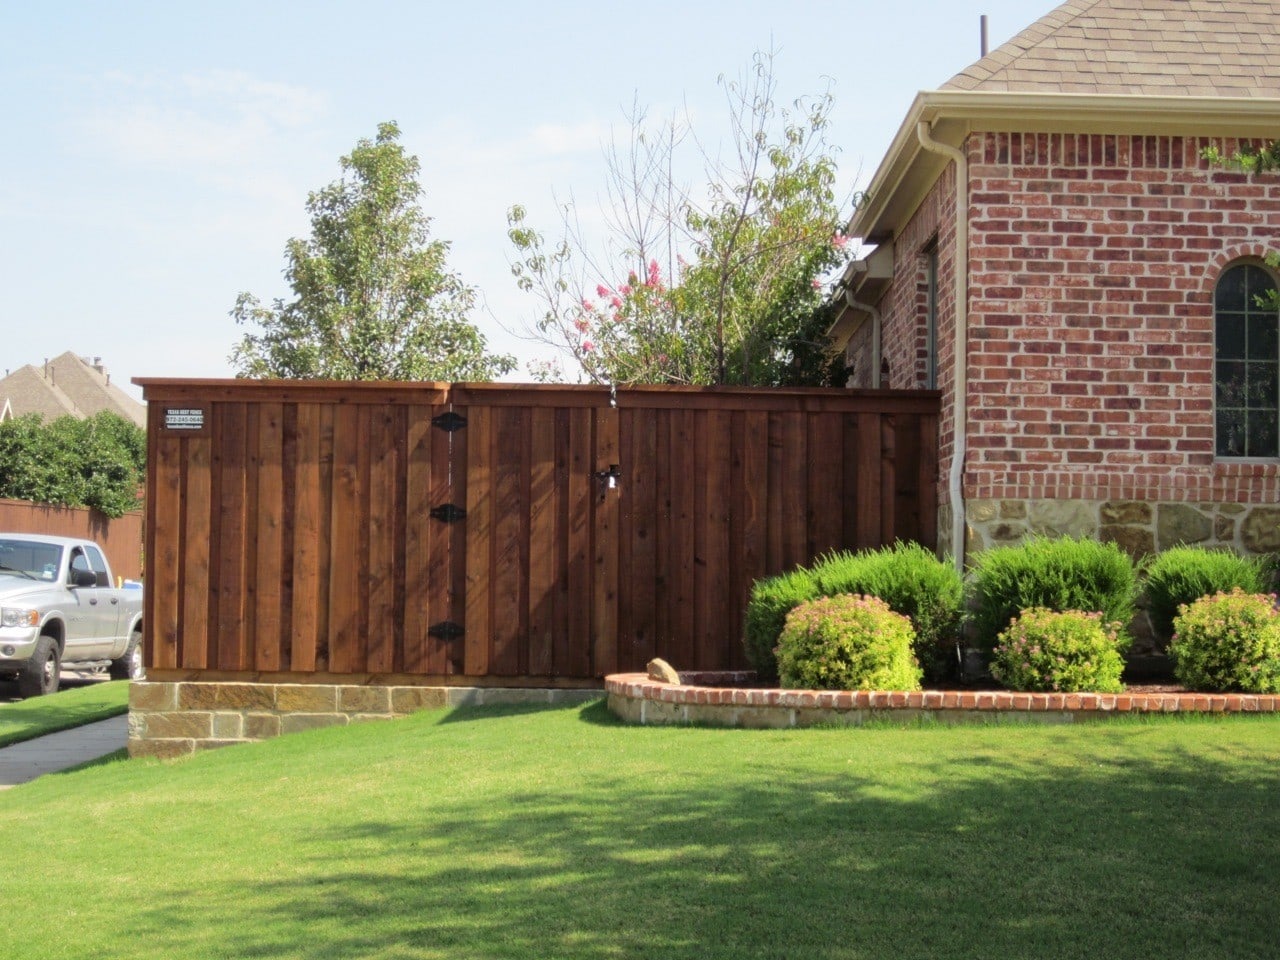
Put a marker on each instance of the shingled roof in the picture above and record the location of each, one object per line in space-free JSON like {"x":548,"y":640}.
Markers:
{"x":67,"y":385}
{"x":1191,"y":48}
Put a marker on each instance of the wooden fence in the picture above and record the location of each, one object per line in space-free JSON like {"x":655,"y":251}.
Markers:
{"x":474,"y":531}
{"x":119,"y":537}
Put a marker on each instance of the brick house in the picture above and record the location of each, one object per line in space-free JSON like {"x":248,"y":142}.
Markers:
{"x":1046,"y":219}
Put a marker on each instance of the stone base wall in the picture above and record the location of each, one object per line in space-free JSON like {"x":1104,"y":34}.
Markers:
{"x":176,"y":719}
{"x":1139,"y":528}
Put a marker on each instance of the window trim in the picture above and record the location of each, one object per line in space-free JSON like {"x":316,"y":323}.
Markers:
{"x":1275,"y":279}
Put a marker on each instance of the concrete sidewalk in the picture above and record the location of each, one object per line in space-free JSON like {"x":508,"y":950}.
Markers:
{"x":57,"y":751}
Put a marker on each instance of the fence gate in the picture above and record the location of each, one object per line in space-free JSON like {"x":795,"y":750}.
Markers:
{"x":508,"y":532}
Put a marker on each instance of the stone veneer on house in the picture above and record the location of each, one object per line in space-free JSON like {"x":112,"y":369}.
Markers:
{"x":177,"y":719}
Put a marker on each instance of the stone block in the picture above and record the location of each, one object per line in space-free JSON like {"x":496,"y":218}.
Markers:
{"x":625,"y":708}
{"x":1013,"y":509}
{"x":1137,"y":542}
{"x":490,"y":696}
{"x":568,"y":696}
{"x":409,"y":699}
{"x":1008,"y":532}
{"x":360,"y":699}
{"x":246,"y":696}
{"x":306,"y":698}
{"x":180,"y":725}
{"x":216,"y":742}
{"x":1260,"y":531}
{"x":261,"y":726}
{"x":197,"y":696}
{"x":1224,"y":529}
{"x":163,"y":749}
{"x":982,"y":511}
{"x":296,"y":722}
{"x":1125,"y":511}
{"x":228,"y":725}
{"x":660,"y":712}
{"x":145,"y":695}
{"x":1178,"y":523}
{"x":1064,"y":518}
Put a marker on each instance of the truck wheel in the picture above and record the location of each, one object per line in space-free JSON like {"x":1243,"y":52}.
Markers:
{"x":39,"y":675}
{"x":129,"y":666}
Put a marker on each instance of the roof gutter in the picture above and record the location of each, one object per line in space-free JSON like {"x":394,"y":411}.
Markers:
{"x":960,"y":371}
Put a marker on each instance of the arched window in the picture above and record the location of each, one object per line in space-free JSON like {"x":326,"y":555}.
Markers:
{"x":1246,"y":372}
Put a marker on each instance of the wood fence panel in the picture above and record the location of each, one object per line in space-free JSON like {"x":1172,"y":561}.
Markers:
{"x":121,"y":538}
{"x":293,"y":532}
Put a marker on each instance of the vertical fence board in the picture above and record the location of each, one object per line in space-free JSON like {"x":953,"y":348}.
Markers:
{"x":386,"y":432}
{"x":449,"y":460}
{"x":680,"y":558}
{"x":308,"y":520}
{"x":714,"y":593}
{"x":604,"y":654}
{"x":196,"y":533}
{"x":345,"y":645}
{"x":544,"y":534}
{"x":269,"y":538}
{"x":232,"y":483}
{"x":824,"y":487}
{"x":424,"y":571}
{"x":509,"y":513}
{"x":866,"y":458}
{"x":579,"y":511}
{"x":639,"y":563}
{"x":163,"y":629}
{"x":480,"y":512}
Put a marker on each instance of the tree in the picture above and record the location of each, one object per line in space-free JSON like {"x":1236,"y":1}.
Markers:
{"x":725,"y":288}
{"x":97,"y":462}
{"x":373,"y":296}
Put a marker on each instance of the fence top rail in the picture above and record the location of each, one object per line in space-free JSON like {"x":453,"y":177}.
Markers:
{"x":798,"y":399}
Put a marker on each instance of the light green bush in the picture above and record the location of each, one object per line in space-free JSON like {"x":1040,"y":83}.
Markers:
{"x":847,"y":643}
{"x":1228,"y":642}
{"x":1059,"y":651}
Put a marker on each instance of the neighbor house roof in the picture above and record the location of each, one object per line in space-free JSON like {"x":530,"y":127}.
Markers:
{"x":1208,"y":68}
{"x":67,"y":385}
{"x":1188,"y":48}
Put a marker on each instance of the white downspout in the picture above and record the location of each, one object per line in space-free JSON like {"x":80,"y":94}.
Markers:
{"x":874,"y":313}
{"x":960,"y":409}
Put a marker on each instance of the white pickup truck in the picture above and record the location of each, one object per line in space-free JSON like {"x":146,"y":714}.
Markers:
{"x":59,"y":605}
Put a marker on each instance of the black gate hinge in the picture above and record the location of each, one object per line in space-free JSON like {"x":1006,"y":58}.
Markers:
{"x":445,"y":630}
{"x":449,"y":513}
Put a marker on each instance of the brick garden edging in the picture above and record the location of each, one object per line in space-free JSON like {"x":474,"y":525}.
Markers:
{"x":635,"y":698}
{"x":176,"y":719}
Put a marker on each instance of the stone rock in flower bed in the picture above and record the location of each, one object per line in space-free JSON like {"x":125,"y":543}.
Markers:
{"x":662,"y":671}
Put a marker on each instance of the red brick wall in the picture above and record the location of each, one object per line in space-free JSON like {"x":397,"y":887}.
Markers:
{"x":1092,"y":266}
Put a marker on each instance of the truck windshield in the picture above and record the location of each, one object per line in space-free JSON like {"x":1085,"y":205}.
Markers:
{"x":30,"y":558}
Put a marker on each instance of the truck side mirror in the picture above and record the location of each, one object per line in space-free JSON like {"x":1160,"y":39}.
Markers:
{"x":84,"y":578}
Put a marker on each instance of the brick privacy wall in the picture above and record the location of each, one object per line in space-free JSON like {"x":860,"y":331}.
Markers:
{"x":1092,"y":266}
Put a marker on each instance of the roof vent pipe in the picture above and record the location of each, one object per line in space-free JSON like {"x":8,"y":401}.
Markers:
{"x":982,"y":29}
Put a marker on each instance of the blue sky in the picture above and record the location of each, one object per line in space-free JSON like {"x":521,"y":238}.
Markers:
{"x":159,"y":154}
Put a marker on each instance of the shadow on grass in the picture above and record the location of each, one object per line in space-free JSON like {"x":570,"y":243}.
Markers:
{"x":1119,"y":850}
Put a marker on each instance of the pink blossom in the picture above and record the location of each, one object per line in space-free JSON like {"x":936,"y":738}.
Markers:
{"x":615,"y":302}
{"x":587,"y":346}
{"x":587,"y":304}
{"x":816,"y":283}
{"x":625,"y":289}
{"x":602,"y":290}
{"x":582,"y":325}
{"x":655,"y":277}
{"x":839,"y":240}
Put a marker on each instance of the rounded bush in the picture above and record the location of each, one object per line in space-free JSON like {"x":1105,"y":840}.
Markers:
{"x":913,"y":582}
{"x":1229,"y":641}
{"x":1051,"y":651}
{"x":1185,"y":574}
{"x":771,"y":600}
{"x":847,"y":643}
{"x":1061,"y":574}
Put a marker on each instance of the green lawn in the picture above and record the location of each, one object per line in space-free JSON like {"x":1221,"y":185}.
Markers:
{"x":490,"y":833}
{"x":67,"y":708}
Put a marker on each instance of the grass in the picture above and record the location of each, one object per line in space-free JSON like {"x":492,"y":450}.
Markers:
{"x":509,"y":833}
{"x":72,"y":707}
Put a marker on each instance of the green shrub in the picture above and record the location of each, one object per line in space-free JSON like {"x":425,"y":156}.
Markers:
{"x":847,"y":643}
{"x":1061,"y":574}
{"x":771,"y":600}
{"x":1059,"y":651}
{"x":1185,"y":574}
{"x":1229,"y":641}
{"x":914,"y":583}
